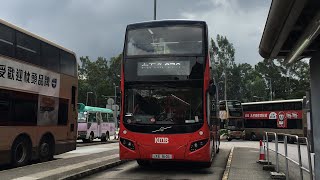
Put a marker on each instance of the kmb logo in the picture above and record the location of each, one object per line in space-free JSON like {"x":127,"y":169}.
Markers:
{"x":161,"y":140}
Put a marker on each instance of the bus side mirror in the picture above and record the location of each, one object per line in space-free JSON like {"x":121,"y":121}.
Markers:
{"x":212,"y":89}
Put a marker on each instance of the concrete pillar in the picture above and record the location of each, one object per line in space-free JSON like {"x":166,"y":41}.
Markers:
{"x":315,"y":100}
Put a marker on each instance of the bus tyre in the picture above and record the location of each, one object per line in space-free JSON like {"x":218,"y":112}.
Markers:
{"x":105,"y":137}
{"x":253,"y":137}
{"x":91,"y":137}
{"x":21,"y":152}
{"x":291,"y":140}
{"x":46,"y":149}
{"x":229,"y":139}
{"x":143,"y":163}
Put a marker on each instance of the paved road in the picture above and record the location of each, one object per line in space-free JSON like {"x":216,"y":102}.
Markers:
{"x":89,"y":157}
{"x":185,"y":171}
{"x":76,"y":161}
{"x":132,"y":170}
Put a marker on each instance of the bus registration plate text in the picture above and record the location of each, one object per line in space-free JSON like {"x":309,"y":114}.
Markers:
{"x":162,"y":156}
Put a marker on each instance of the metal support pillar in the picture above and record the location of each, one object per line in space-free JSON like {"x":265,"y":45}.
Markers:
{"x":315,"y":105}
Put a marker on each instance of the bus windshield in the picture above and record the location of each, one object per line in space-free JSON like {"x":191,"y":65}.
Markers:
{"x":81,"y":117}
{"x":235,"y":108}
{"x":165,"y":40}
{"x":159,"y":105}
{"x":234,"y":105}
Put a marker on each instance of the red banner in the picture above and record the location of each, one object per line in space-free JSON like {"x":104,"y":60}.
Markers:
{"x":281,"y":116}
{"x":273,"y":114}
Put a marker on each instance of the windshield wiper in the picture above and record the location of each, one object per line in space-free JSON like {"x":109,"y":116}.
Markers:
{"x":180,"y":100}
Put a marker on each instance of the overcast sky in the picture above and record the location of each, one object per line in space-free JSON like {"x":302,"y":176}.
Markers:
{"x":96,"y":27}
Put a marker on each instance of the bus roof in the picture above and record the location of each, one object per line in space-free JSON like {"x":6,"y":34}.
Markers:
{"x":84,"y":108}
{"x":165,"y":22}
{"x":271,"y":102}
{"x":35,"y":36}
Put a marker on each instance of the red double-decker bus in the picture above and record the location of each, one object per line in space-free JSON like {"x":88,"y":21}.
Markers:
{"x":281,"y":116}
{"x":168,"y":95}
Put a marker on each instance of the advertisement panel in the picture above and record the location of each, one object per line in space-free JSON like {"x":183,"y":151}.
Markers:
{"x":21,"y":76}
{"x":295,"y":114}
{"x":281,"y":116}
{"x":48,"y":110}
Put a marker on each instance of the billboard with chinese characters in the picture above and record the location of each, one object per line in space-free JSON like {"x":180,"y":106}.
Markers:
{"x":21,"y":76}
{"x":281,"y":116}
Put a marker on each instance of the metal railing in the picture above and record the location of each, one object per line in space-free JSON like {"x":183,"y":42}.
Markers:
{"x":285,"y":155}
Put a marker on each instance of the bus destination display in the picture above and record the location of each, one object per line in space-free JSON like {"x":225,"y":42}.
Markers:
{"x":160,"y":68}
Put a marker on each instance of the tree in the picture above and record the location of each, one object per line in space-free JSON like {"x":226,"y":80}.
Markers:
{"x":288,"y":81}
{"x":222,"y":51}
{"x":98,"y":77}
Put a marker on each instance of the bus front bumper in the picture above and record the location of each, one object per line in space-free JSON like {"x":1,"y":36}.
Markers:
{"x":176,"y":153}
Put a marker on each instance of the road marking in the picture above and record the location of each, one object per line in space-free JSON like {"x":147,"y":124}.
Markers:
{"x":228,"y":166}
{"x":63,"y":169}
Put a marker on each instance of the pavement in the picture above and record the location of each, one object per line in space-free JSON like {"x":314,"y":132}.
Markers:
{"x":244,"y":165}
{"x":245,"y":155}
{"x":236,"y":160}
{"x":68,"y":165}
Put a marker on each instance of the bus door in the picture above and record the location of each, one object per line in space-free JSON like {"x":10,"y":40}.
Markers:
{"x":99,"y":124}
{"x":92,"y":123}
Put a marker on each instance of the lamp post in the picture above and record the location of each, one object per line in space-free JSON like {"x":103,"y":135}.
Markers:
{"x":270,"y":86}
{"x":87,"y":97}
{"x":115,"y":103}
{"x":155,"y":10}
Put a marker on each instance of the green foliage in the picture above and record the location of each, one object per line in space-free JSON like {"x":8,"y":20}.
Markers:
{"x":224,"y":132}
{"x":247,"y":83}
{"x":99,"y":78}
{"x":222,"y":54}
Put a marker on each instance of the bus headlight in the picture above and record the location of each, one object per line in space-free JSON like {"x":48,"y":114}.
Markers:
{"x":198,"y":144}
{"x":127,"y":143}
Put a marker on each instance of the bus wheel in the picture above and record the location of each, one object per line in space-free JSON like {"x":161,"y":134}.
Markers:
{"x":103,"y":139}
{"x":291,"y":140}
{"x":21,"y":152}
{"x":252,"y":137}
{"x":46,"y":147}
{"x":91,"y":137}
{"x":143,"y":163}
{"x":229,"y":139}
{"x":107,"y":136}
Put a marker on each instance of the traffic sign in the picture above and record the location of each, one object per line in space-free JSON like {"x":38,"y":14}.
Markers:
{"x":110,"y":101}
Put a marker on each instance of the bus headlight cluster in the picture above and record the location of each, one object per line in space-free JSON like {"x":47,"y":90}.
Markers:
{"x":127,"y":143}
{"x":198,"y":144}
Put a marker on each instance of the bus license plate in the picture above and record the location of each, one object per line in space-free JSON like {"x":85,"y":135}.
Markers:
{"x":162,"y":156}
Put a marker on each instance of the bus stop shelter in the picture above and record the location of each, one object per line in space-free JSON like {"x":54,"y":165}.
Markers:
{"x":292,"y":32}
